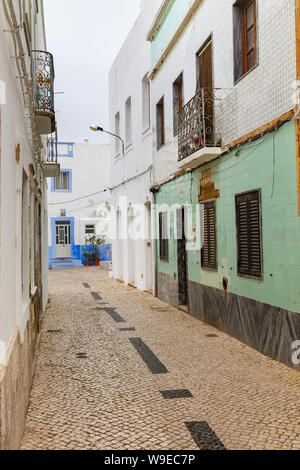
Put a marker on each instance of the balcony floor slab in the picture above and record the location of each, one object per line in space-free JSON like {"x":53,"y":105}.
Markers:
{"x":200,"y":157}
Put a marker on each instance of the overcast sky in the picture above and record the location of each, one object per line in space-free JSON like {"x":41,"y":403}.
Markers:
{"x":85,"y":37}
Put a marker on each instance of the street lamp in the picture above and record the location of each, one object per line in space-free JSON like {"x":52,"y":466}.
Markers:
{"x":100,"y":129}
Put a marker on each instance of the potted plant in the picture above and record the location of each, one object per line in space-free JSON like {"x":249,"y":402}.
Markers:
{"x":88,"y":256}
{"x":95,"y":255}
{"x":95,"y":242}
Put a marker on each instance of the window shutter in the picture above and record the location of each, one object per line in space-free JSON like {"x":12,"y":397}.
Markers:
{"x":209,"y":249}
{"x":249,"y":234}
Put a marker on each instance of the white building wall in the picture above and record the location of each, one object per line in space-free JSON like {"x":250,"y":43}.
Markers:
{"x":90,"y":190}
{"x":260,"y":96}
{"x":19,"y":330}
{"x":14,"y":313}
{"x":131,"y":174}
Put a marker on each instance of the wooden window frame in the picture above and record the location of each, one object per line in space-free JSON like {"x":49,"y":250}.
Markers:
{"x":210,"y":266}
{"x":250,"y":275}
{"x":163,"y":242}
{"x":245,"y":30}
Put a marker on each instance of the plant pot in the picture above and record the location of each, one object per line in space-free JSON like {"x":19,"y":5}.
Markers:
{"x":88,"y":263}
{"x":97,"y":262}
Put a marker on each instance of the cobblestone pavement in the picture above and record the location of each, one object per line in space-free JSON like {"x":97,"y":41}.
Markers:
{"x":93,"y":390}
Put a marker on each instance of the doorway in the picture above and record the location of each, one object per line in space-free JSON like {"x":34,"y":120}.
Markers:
{"x":205,"y":86}
{"x":149,"y":260}
{"x":182,"y":258}
{"x":63,"y":239}
{"x":131,"y":249}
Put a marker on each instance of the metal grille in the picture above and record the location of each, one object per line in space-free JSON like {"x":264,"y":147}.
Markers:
{"x":196,"y":123}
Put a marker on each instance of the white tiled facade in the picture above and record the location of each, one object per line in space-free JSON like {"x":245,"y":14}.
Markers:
{"x":259,"y":97}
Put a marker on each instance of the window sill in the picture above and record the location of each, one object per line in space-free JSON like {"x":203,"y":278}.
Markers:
{"x":254,"y":278}
{"x":33,"y":292}
{"x":146,"y":130}
{"x":205,"y":268}
{"x":245,"y":74}
{"x":160,"y":147}
{"x":128,"y":148}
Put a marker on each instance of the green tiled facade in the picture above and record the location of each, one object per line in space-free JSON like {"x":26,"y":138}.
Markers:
{"x":268,"y":164}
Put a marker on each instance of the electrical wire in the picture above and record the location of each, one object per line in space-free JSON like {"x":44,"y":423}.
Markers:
{"x":78,"y":198}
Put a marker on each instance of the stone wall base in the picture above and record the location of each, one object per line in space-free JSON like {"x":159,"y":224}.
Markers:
{"x":15,"y":384}
{"x":167,"y":289}
{"x":268,"y":329}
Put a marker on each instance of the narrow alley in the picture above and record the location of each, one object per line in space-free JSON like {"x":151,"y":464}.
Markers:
{"x":119,"y":369}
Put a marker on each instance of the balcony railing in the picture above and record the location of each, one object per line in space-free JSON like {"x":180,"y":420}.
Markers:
{"x":196,"y":128}
{"x":52,"y":151}
{"x":43,"y":89}
{"x":50,"y":165}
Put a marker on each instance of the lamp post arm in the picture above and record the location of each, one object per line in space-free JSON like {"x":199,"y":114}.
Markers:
{"x":117,"y":137}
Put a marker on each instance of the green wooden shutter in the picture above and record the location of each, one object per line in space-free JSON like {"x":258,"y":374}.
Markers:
{"x":249,"y":237}
{"x":209,"y":249}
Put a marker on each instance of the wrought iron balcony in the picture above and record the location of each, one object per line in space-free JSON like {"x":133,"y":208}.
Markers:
{"x":197,"y":142}
{"x":43,"y":90}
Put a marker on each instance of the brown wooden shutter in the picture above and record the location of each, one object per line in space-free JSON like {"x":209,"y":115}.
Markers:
{"x":249,"y":237}
{"x":163,"y":237}
{"x":209,"y":249}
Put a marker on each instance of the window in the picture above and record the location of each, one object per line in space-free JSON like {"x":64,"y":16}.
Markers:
{"x":62,"y":182}
{"x":209,"y":239}
{"x":128,"y":130}
{"x":146,"y":102}
{"x":177,"y":101}
{"x":160,"y":123}
{"x":117,"y":132}
{"x":249,"y":237}
{"x":90,"y":230}
{"x":163,"y":237}
{"x":245,"y":37}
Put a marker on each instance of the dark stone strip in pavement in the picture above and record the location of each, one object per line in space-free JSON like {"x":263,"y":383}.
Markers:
{"x":127,"y":329}
{"x":152,"y":362}
{"x":87,"y":286}
{"x":170,"y":394}
{"x":204,"y":436}
{"x":96,"y":296}
{"x":114,"y":315}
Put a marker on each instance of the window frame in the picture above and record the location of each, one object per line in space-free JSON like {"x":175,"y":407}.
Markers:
{"x":128,"y":122}
{"x":160,"y":108}
{"x":210,"y":267}
{"x":117,"y":132}
{"x":70,"y":188}
{"x":245,"y":30}
{"x":240,"y":69}
{"x":250,"y":275}
{"x":178,"y":94}
{"x":90,"y":233}
{"x":146,"y":103}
